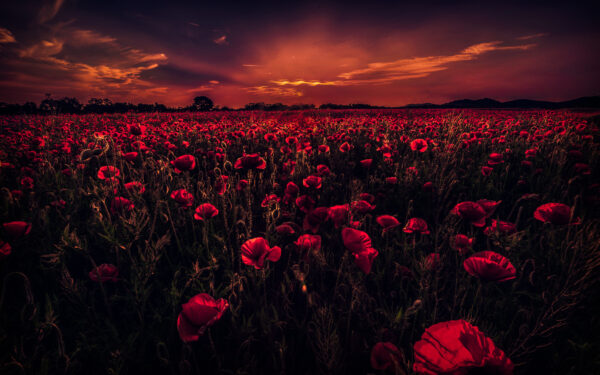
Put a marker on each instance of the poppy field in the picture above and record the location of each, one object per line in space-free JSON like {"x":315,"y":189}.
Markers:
{"x":300,"y":242}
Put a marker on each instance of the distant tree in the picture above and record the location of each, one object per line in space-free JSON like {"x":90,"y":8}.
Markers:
{"x":203,"y":103}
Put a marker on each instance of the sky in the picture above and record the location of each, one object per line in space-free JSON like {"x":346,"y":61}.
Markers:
{"x":374,"y":52}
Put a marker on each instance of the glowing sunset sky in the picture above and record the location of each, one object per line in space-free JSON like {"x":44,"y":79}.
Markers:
{"x":380,"y":53}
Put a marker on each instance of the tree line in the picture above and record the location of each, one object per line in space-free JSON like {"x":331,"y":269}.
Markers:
{"x":66,"y":105}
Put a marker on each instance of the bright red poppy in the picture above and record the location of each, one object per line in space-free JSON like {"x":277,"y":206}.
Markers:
{"x":205,"y":211}
{"x":5,"y":249}
{"x":184,"y":163}
{"x":415,"y":225}
{"x":339,"y":214}
{"x":419,"y":145}
{"x":104,"y":272}
{"x":470,"y":211}
{"x":355,"y":240}
{"x":183,"y":197}
{"x":250,"y":161}
{"x":362,"y":207}
{"x":495,"y":158}
{"x":108,"y":171}
{"x":488,"y":206}
{"x":555,"y":213}
{"x":256,"y":250}
{"x":387,"y":222}
{"x":486,"y":171}
{"x":308,"y":244}
{"x":199,"y":313}
{"x":314,"y":182}
{"x":457,"y":347}
{"x":490,"y":266}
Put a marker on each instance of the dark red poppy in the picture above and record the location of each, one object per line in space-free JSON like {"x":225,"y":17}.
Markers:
{"x":362,"y":207}
{"x":120,"y":205}
{"x":291,"y":189}
{"x":386,"y":355}
{"x":428,"y":186}
{"x":323,"y":148}
{"x":355,"y":240}
{"x":312,"y":182}
{"x":250,"y":161}
{"x":419,"y":145}
{"x":241,"y":185}
{"x":205,"y":211}
{"x":462,"y":243}
{"x":387,"y":222}
{"x":308,"y":244}
{"x":270,"y":198}
{"x":364,"y":259}
{"x":490,"y":266}
{"x":221,"y":184}
{"x":555,"y":213}
{"x":286,"y":229}
{"x":432,"y":262}
{"x":339,"y":214}
{"x":184,"y":163}
{"x":17,"y":229}
{"x":416,"y":225}
{"x":391,"y":180}
{"x":470,"y":211}
{"x":501,"y":227}
{"x":345,"y":147}
{"x":199,"y":313}
{"x":256,"y":250}
{"x":5,"y":249}
{"x":130,"y":156}
{"x":104,"y":272}
{"x":486,"y":171}
{"x":457,"y":347}
{"x":313,"y":219}
{"x":108,"y":171}
{"x":183,"y":197}
{"x":488,"y":206}
{"x":305,"y":203}
{"x":26,"y":183}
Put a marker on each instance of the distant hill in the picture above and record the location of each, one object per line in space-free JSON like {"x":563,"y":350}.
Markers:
{"x":585,"y":102}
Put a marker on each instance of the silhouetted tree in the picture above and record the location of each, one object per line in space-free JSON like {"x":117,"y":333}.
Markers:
{"x":203,"y":103}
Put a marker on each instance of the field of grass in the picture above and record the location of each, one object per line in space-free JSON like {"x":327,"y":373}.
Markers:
{"x":335,"y":242}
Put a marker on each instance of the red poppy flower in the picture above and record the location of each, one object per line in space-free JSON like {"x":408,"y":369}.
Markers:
{"x":355,"y":240}
{"x":199,"y":313}
{"x":305,"y":203}
{"x":486,"y":171}
{"x":364,"y":259}
{"x":256,"y":250}
{"x":26,"y":183}
{"x":221,"y":184}
{"x":121,"y":205}
{"x":314,"y":219}
{"x":490,"y":266}
{"x":387,"y":222}
{"x":495,"y":158}
{"x":323,"y":148}
{"x":135,"y":187}
{"x":107,"y":172}
{"x":17,"y":229}
{"x":385,"y":355}
{"x":339,"y":214}
{"x":432,"y":261}
{"x":312,"y":182}
{"x":183,"y":197}
{"x":286,"y":229}
{"x":391,"y":180}
{"x":184,"y":163}
{"x":308,"y":244}
{"x":241,"y":185}
{"x":416,"y":225}
{"x":323,"y":170}
{"x":104,"y":272}
{"x":270,"y":198}
{"x":462,"y":243}
{"x":555,"y":213}
{"x":250,"y":161}
{"x":367,"y":197}
{"x":366,"y":163}
{"x":130,"y":156}
{"x":502,"y":227}
{"x":457,"y":347}
{"x":362,"y":207}
{"x":470,"y":211}
{"x":345,"y":147}
{"x":418,"y":145}
{"x":428,"y":186}
{"x":5,"y":249}
{"x":291,"y":189}
{"x":205,"y":211}
{"x":488,"y":206}
{"x":136,"y":129}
